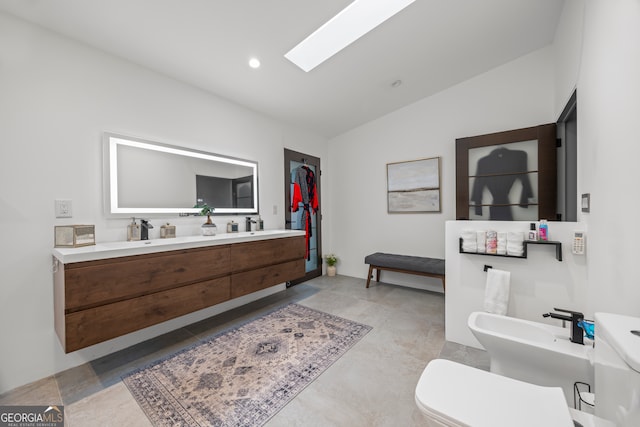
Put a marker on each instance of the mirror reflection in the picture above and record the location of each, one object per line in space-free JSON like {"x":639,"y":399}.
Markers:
{"x":148,"y":177}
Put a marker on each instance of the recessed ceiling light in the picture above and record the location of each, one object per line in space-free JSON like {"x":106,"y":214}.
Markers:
{"x":349,"y":25}
{"x":254,"y":63}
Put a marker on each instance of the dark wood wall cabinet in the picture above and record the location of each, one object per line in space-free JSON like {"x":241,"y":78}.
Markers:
{"x":98,"y":300}
{"x":507,"y":176}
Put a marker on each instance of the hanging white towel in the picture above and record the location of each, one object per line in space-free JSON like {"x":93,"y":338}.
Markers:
{"x":496,"y":296}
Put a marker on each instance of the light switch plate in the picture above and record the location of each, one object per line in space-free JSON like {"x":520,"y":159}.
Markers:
{"x":586,"y":202}
{"x":63,"y":208}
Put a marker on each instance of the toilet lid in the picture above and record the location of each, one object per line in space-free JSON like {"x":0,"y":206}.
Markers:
{"x":459,"y":395}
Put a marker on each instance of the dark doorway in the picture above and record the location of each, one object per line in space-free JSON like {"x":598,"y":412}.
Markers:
{"x":303,"y":216}
{"x":567,"y":127}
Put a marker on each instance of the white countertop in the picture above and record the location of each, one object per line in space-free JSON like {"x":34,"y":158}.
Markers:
{"x":140,"y":247}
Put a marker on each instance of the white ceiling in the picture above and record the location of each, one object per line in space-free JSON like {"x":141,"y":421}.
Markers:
{"x":430,"y":46}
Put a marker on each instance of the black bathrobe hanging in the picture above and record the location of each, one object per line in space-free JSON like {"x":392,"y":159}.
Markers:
{"x":498,"y":171}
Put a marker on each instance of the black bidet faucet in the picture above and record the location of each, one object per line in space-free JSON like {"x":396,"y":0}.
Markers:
{"x":575,"y":317}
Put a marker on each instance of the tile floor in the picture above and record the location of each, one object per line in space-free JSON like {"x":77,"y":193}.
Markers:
{"x":371,"y":385}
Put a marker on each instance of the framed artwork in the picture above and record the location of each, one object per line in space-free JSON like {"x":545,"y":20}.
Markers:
{"x":507,"y":176}
{"x":414,"y":186}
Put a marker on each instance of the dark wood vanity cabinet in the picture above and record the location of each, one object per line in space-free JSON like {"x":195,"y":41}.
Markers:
{"x":258,"y":265}
{"x":95,"y":301}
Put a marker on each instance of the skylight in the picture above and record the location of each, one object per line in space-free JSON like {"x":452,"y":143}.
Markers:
{"x":350,"y":24}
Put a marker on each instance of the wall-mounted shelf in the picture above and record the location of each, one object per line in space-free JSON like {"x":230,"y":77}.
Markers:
{"x":558,"y":246}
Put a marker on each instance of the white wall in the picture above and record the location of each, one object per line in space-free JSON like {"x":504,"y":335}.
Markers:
{"x":539,"y":283}
{"x":567,"y":48}
{"x":58,"y":96}
{"x":609,"y":149}
{"x":597,"y":51}
{"x":515,"y":95}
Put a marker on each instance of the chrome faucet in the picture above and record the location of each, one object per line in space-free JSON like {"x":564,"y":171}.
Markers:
{"x":575,"y":318}
{"x":144,"y":230}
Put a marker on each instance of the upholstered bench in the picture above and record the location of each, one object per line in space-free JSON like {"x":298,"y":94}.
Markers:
{"x":432,"y":267}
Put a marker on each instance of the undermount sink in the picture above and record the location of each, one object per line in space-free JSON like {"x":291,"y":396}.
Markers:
{"x":262,"y":232}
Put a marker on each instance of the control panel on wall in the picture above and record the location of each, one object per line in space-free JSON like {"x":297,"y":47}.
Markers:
{"x":578,"y":242}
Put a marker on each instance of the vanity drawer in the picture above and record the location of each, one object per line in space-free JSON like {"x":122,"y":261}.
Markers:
{"x":87,"y":327}
{"x":253,"y":280}
{"x":246,"y":256}
{"x":92,"y":283}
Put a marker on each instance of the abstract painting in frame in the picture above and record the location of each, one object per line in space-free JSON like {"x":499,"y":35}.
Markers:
{"x":414,"y":186}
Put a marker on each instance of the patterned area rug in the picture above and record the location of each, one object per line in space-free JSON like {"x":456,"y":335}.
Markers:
{"x":243,"y":376}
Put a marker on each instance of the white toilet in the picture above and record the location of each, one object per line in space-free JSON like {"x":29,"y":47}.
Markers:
{"x":452,"y":394}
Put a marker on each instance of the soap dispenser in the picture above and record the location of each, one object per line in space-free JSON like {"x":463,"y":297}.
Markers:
{"x":543,"y":230}
{"x":133,"y":230}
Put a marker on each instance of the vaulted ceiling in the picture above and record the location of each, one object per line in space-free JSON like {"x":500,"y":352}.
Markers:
{"x":428,"y":47}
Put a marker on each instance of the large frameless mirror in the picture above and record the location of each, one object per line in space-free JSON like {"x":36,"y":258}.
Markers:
{"x":145,"y":177}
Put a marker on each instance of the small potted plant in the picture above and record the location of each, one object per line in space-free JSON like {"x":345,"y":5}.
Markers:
{"x":332,"y":260}
{"x":208,"y":228}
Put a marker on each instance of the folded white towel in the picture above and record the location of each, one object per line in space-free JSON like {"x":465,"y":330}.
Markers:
{"x":515,"y":236}
{"x":501,"y":246}
{"x":481,"y":239}
{"x":469,"y":243}
{"x":515,"y":243}
{"x":496,"y":296}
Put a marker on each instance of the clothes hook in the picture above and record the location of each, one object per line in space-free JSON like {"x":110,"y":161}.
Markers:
{"x":487,"y":267}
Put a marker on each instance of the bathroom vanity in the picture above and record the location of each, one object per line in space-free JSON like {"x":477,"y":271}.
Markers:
{"x":111,"y":289}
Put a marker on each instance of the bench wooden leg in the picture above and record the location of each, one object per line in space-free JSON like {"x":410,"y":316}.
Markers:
{"x":369,"y":276}
{"x":378,"y":269}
